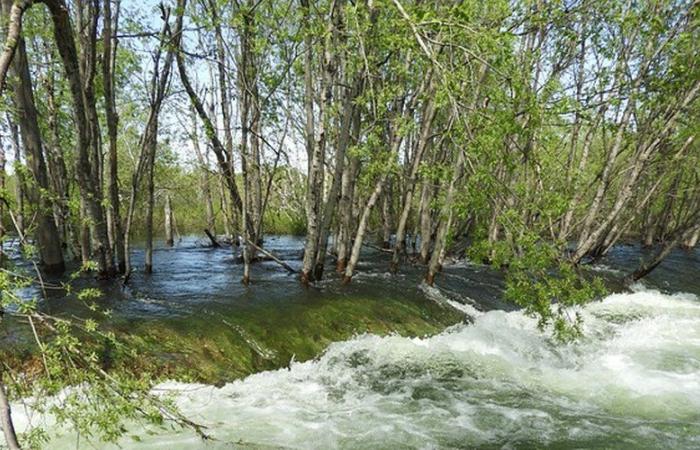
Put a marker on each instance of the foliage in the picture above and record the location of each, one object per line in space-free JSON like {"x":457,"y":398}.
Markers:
{"x":70,"y":381}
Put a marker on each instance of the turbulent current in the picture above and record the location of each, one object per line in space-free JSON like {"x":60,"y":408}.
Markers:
{"x":633,"y":382}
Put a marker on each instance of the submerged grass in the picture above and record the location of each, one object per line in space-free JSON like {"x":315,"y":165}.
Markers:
{"x":215,"y":348}
{"x":224,"y":344}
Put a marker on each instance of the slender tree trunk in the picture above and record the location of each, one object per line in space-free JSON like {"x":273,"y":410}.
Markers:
{"x":8,"y":427}
{"x":47,"y":238}
{"x":225,"y":101}
{"x":13,"y":11}
{"x":150,"y":200}
{"x":169,"y":223}
{"x":85,"y":170}
{"x":315,"y":158}
{"x":648,"y":266}
{"x":223,"y":159}
{"x":394,"y":141}
{"x":85,"y":244}
{"x":362,"y":229}
{"x":229,"y":223}
{"x":426,"y":127}
{"x":426,"y":221}
{"x":55,"y":160}
{"x":347,"y":194}
{"x":149,"y":140}
{"x":387,"y":222}
{"x":20,"y":182}
{"x":109,"y":47}
{"x":438,"y":255}
{"x":3,"y":176}
{"x":335,"y":193}
{"x":204,"y":179}
{"x":249,"y":144}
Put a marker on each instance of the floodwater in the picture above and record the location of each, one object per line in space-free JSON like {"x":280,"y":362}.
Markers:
{"x":493,"y":381}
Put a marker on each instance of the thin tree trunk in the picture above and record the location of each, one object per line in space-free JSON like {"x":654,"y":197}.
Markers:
{"x":169,"y":232}
{"x":8,"y":427}
{"x":229,"y":224}
{"x":648,"y":266}
{"x":55,"y":161}
{"x":426,"y":125}
{"x":20,"y":182}
{"x":3,"y":176}
{"x":395,"y":141}
{"x":14,"y":12}
{"x":204,"y":179}
{"x":692,"y":241}
{"x":112,"y":119}
{"x":426,"y":221}
{"x":150,"y":200}
{"x":47,"y":238}
{"x":149,"y":140}
{"x":438,"y":255}
{"x":85,"y":170}
{"x":315,"y":158}
{"x":223,"y":160}
{"x":362,"y":229}
{"x":387,"y":222}
{"x":347,"y":194}
{"x":85,"y":245}
{"x":335,"y":193}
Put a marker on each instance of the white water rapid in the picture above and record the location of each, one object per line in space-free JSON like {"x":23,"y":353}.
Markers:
{"x":633,"y":382}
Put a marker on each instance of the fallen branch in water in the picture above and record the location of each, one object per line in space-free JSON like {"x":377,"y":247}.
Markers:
{"x":289,"y":268}
{"x":212,"y":238}
{"x":270,"y":255}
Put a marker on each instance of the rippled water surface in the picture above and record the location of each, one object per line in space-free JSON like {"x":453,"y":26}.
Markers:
{"x":492,"y":382}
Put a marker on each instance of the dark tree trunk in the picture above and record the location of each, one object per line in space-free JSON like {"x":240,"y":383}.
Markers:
{"x":6,"y":423}
{"x":47,"y":237}
{"x":112,"y":119}
{"x":86,"y":172}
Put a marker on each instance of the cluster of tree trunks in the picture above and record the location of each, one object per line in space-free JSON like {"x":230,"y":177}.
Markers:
{"x":385,"y":148}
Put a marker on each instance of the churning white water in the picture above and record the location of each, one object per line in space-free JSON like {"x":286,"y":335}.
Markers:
{"x":633,"y":382}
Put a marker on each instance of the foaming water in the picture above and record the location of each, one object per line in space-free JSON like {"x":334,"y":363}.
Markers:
{"x":633,"y":382}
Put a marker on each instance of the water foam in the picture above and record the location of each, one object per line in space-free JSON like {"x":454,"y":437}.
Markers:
{"x":633,"y":381}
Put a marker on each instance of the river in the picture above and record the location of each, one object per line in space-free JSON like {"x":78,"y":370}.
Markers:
{"x":492,"y":381}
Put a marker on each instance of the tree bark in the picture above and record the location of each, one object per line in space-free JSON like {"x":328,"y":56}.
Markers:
{"x":648,"y":266}
{"x":692,"y":241}
{"x":109,"y":47}
{"x":8,"y":427}
{"x":426,"y":126}
{"x":169,"y":232}
{"x":426,"y":221}
{"x":204,"y":179}
{"x":20,"y":182}
{"x":3,"y":176}
{"x":335,"y":193}
{"x":362,"y":229}
{"x":88,"y":183}
{"x":347,"y":194}
{"x":438,"y":254}
{"x":14,"y":11}
{"x":315,"y":158}
{"x":225,"y":164}
{"x":47,"y":238}
{"x":150,"y":150}
{"x":149,"y":140}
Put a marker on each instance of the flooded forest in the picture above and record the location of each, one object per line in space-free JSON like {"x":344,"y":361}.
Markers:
{"x":349,"y":224}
